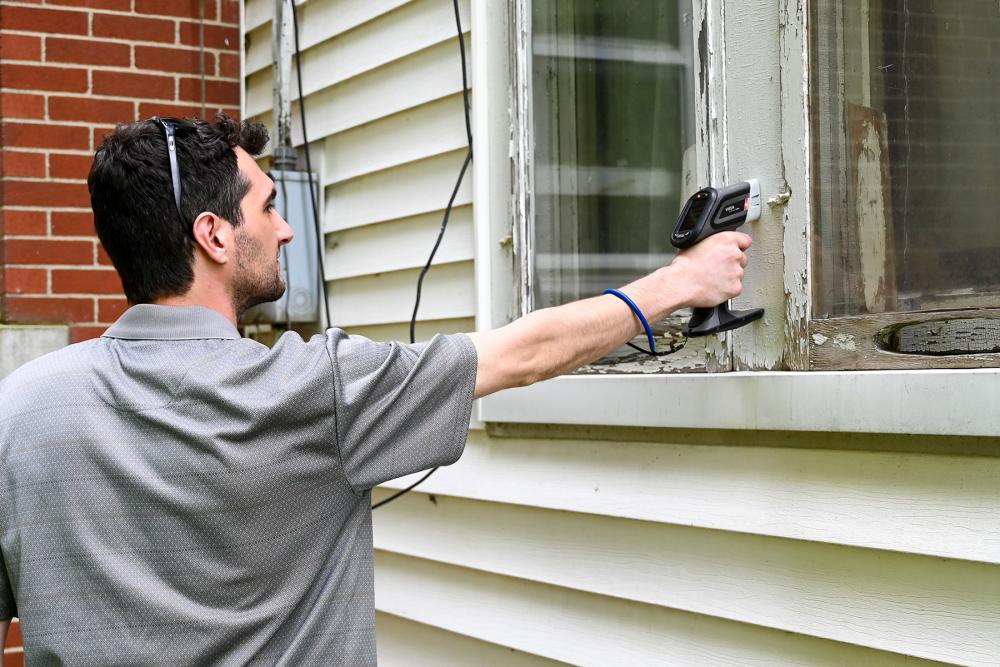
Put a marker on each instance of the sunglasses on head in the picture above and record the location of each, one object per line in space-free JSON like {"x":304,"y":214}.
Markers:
{"x":170,"y":126}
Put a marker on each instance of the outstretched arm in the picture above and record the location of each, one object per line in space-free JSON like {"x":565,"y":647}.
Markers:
{"x":553,"y":341}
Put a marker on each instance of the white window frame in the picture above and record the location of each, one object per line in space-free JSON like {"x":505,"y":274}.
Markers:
{"x":742,"y":126}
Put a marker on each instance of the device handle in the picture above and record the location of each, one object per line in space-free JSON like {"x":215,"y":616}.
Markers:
{"x":707,"y":321}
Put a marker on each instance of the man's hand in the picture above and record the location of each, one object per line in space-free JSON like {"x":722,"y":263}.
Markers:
{"x":553,"y":341}
{"x":713,"y":269}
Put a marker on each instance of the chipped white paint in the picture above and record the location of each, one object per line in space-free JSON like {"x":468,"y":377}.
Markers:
{"x":754,"y":146}
{"x":712,"y":147}
{"x":703,"y":163}
{"x":870,"y":209}
{"x":796,"y":174}
{"x":845,"y":342}
{"x":779,"y":199}
{"x":819,"y":339}
{"x":522,"y":153}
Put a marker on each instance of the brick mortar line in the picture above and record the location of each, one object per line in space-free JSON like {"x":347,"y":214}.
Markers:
{"x":103,"y":97}
{"x":63,"y":267}
{"x":74,"y":239}
{"x":38,"y":150}
{"x":192,"y":75}
{"x":163,"y":45}
{"x":137,"y":42}
{"x":45,"y":179}
{"x":38,"y":179}
{"x":18,"y":32}
{"x":92,"y":11}
{"x":90,"y":125}
{"x":36,"y":237}
{"x":210,"y":106}
{"x":61,"y":295}
{"x":16,"y":208}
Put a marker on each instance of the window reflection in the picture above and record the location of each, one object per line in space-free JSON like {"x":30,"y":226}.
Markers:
{"x":613,"y":132}
{"x":907,"y":137}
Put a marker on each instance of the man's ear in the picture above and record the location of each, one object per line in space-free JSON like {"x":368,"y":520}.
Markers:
{"x":214,"y":236}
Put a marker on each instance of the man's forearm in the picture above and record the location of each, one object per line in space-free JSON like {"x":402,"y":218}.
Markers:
{"x":553,"y":341}
{"x":558,"y":340}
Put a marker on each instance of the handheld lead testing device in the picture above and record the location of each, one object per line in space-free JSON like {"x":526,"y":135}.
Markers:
{"x":710,"y":211}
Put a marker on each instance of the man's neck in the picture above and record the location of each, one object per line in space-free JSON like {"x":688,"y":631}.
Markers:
{"x":216,"y":299}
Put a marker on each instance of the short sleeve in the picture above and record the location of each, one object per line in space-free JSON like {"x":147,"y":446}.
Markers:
{"x":400,"y":408}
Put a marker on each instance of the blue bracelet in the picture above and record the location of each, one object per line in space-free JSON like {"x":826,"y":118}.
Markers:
{"x":638,"y":313}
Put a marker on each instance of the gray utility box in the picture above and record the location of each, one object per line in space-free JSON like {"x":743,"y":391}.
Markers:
{"x":299,"y":259}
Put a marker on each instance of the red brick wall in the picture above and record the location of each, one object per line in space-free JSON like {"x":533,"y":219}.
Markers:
{"x":70,"y":70}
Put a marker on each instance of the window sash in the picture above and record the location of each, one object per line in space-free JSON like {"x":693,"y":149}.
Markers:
{"x":753,"y":120}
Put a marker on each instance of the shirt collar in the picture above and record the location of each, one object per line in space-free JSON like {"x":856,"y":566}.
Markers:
{"x":152,"y":322}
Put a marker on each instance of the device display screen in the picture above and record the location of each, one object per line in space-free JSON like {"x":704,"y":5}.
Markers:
{"x":694,"y":212}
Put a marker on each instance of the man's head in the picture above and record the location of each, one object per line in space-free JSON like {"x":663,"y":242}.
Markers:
{"x":226,"y":232}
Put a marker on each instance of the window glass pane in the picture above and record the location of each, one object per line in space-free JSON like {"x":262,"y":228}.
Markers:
{"x":612,"y":108}
{"x":906,"y":146}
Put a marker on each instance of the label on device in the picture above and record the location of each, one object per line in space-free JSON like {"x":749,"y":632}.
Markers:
{"x":733,"y":208}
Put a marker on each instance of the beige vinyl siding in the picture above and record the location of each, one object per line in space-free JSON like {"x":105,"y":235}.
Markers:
{"x":754,"y":534}
{"x":384,"y":106}
{"x":604,"y":547}
{"x":600,"y":552}
{"x":405,"y":642}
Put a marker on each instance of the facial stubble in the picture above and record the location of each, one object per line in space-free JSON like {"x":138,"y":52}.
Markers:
{"x":258,"y":278}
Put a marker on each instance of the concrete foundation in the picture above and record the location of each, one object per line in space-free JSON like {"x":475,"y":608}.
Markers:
{"x":19,"y":344}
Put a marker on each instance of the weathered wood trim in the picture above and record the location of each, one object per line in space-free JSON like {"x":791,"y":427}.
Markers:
{"x":712,"y":131}
{"x":699,"y":355}
{"x":768,"y":140}
{"x":523,"y":157}
{"x":796,"y":156}
{"x":848,"y":343}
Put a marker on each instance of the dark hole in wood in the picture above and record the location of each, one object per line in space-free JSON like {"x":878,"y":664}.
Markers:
{"x":975,"y":335}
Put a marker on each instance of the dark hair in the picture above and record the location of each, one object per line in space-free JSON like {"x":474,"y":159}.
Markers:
{"x":131,"y":192}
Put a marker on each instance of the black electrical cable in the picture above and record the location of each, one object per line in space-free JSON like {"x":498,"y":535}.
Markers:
{"x":672,"y":350}
{"x":444,"y":225}
{"x":320,"y":241}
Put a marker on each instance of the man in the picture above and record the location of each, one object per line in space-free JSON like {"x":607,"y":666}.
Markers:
{"x":173,"y":493}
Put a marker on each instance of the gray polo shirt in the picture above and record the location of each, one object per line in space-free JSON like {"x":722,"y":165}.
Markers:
{"x":174,"y":494}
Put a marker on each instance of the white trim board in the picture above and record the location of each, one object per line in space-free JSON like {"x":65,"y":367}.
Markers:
{"x":924,"y":402}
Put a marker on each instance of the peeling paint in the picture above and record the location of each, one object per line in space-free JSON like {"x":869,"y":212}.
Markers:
{"x":780,"y":199}
{"x":819,"y":339}
{"x":795,"y":141}
{"x":871,"y":218}
{"x":767,"y":124}
{"x":845,"y":342}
